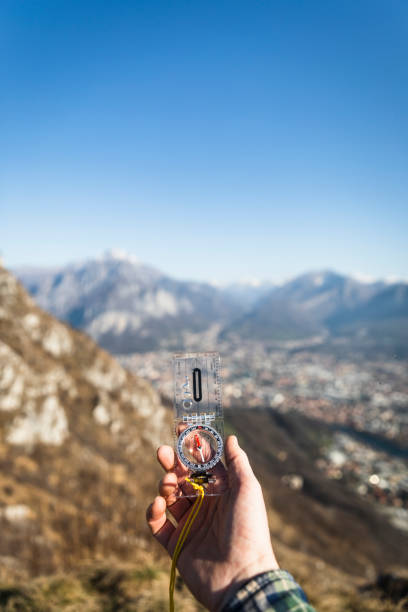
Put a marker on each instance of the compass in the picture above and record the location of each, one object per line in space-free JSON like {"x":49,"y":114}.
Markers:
{"x":199,"y":447}
{"x":198,"y":426}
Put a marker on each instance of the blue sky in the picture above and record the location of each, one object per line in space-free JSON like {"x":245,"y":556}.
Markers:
{"x":212,"y":139}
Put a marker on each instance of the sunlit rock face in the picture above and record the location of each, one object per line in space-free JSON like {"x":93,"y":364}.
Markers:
{"x":47,"y":424}
{"x":71,"y":418}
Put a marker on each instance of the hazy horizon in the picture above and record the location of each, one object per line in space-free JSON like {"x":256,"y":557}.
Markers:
{"x":120,"y":254}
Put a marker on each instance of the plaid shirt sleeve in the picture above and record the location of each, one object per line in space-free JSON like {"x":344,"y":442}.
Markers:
{"x":274,"y":591}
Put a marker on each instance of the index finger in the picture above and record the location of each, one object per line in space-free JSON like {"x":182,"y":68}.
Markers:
{"x":166,"y":457}
{"x":169,"y":461}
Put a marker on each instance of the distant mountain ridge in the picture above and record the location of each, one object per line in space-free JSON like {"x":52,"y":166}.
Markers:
{"x":330,"y":305}
{"x":127,"y":306}
{"x":300,"y":307}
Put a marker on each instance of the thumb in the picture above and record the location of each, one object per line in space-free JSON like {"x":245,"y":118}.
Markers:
{"x":239,"y":469}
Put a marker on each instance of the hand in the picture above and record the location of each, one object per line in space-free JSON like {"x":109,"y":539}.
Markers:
{"x":229,"y":541}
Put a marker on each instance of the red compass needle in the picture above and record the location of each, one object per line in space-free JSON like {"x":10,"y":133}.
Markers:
{"x":199,"y":448}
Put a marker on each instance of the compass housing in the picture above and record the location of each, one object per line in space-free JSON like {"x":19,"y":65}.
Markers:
{"x":210,"y":445}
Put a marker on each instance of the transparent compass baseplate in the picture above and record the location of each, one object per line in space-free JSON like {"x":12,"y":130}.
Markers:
{"x":200,"y":454}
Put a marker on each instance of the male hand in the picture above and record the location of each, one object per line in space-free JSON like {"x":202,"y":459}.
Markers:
{"x":229,"y":541}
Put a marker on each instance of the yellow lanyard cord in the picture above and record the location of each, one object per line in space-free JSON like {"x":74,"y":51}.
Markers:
{"x":182,"y":538}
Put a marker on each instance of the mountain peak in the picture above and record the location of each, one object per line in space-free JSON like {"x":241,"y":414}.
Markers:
{"x":120,"y":255}
{"x":319,"y":277}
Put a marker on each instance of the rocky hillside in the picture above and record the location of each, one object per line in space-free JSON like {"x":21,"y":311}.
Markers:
{"x":77,"y":443}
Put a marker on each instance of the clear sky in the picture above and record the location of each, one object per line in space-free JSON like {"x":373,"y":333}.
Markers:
{"x":213,"y":139}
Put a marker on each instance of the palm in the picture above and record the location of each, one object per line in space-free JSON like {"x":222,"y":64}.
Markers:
{"x":229,"y":540}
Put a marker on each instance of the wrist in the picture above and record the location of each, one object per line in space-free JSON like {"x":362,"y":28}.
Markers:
{"x":276,"y":583}
{"x":257,"y":567}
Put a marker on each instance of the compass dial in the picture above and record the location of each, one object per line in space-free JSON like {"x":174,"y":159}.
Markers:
{"x":199,"y":447}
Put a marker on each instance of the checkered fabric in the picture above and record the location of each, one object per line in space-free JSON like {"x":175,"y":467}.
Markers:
{"x":274,"y":591}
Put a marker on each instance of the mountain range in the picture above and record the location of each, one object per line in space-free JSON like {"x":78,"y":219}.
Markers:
{"x":127,"y":306}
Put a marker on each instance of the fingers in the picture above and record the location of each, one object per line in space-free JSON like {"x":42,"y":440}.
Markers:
{"x":239,"y":468}
{"x":169,"y":461}
{"x":168,"y":486}
{"x":160,"y":526}
{"x":169,"y":489}
{"x":166,"y":457}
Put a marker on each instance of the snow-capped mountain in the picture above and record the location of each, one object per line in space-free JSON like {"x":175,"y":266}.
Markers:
{"x":127,"y":306}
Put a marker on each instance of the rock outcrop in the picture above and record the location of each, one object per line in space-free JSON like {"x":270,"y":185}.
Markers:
{"x":77,"y":442}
